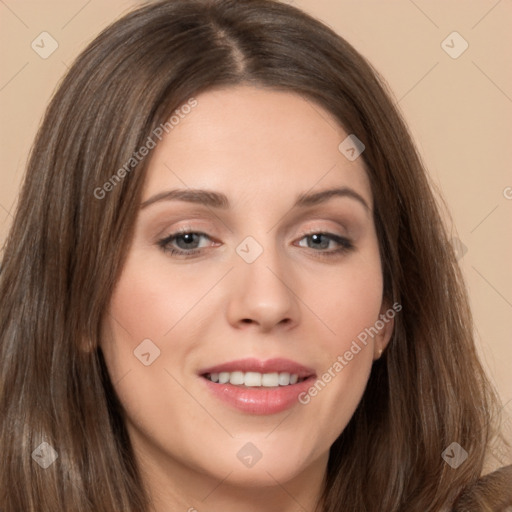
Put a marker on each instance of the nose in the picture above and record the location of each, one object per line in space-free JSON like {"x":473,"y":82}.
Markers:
{"x":262,"y":295}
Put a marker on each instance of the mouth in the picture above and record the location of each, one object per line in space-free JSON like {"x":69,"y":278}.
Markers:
{"x":258,"y":387}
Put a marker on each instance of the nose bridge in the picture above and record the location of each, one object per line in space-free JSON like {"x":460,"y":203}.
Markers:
{"x":262,"y":292}
{"x":262,"y":271}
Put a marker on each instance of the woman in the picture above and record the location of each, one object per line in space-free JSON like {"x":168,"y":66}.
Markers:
{"x":313,"y":351}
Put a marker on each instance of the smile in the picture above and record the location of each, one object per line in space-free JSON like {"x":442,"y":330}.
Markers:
{"x":258,"y":387}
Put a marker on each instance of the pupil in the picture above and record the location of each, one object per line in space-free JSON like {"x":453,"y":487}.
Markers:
{"x":317,"y":240}
{"x":185,"y":239}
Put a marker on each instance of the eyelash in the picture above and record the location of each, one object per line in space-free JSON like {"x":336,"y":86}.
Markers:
{"x":346,"y":244}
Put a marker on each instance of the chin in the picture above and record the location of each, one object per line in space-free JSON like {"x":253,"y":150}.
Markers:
{"x":260,"y":462}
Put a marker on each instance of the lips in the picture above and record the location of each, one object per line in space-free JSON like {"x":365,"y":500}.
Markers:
{"x":236,"y":384}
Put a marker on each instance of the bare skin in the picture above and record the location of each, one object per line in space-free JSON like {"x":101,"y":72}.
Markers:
{"x":303,"y":299}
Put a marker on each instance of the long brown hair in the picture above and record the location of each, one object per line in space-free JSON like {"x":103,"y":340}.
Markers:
{"x":65,"y":250}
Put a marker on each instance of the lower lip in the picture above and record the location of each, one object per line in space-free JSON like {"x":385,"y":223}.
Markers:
{"x":259,"y":400}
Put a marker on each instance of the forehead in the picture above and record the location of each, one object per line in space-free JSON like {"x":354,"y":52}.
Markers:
{"x":254,"y":143}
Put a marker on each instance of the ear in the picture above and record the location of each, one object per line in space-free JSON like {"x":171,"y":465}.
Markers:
{"x":385,"y":325}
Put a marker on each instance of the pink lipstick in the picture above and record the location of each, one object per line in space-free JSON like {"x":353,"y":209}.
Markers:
{"x":258,"y":387}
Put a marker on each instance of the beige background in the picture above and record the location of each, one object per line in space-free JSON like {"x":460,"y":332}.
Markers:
{"x":459,"y":111}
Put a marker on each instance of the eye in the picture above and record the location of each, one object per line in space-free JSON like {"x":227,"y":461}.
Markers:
{"x":320,"y":241}
{"x":187,"y":242}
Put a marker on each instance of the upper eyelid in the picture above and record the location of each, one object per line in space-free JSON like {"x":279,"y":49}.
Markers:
{"x":344,"y":225}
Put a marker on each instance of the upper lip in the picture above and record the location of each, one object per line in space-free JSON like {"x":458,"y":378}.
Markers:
{"x":278,"y":365}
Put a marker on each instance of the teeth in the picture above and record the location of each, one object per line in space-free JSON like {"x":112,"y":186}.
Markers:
{"x":254,"y":379}
{"x":224,"y":377}
{"x":284,"y":379}
{"x":236,"y":378}
{"x":270,"y":380}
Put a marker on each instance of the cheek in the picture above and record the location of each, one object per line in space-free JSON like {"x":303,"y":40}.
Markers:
{"x":349,"y":304}
{"x":145,"y":313}
{"x":347,"y":300}
{"x":152,"y":298}
{"x":147,"y":308}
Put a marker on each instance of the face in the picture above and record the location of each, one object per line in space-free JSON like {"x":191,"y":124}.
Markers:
{"x":237,"y":335}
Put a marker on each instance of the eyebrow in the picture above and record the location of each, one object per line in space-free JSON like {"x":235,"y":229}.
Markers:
{"x":220,"y":200}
